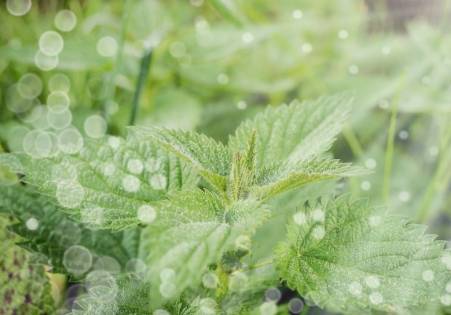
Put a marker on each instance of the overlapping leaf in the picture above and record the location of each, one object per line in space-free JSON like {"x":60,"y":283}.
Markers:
{"x":346,"y":258}
{"x":108,"y":181}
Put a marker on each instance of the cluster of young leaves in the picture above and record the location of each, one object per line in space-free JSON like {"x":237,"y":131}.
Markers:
{"x":329,"y":255}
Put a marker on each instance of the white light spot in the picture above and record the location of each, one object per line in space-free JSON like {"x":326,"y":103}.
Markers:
{"x":428,"y":275}
{"x":210,"y":280}
{"x":366,"y":185}
{"x":107,"y":264}
{"x":343,"y":34}
{"x":296,"y":305}
{"x":95,"y":126}
{"x":247,"y":37}
{"x":92,"y":216}
{"x":238,"y":281}
{"x":168,"y":289}
{"x":114,"y":142}
{"x":147,"y":214}
{"x":223,"y":78}
{"x":404,"y":196}
{"x":318,"y":215}
{"x":197,"y":3}
{"x":297,"y":14}
{"x":102,"y":286}
{"x":136,"y":266}
{"x":59,"y":82}
{"x":370,"y":164}
{"x":69,"y":194}
{"x":167,"y":275}
{"x":446,"y":300}
{"x":109,"y":169}
{"x":306,"y":48}
{"x":386,"y":50}
{"x":177,"y":49}
{"x":242,"y":105}
{"x":372,"y":282}
{"x":58,"y":101}
{"x":299,"y":218}
{"x":153,"y":165}
{"x":32,"y":224}
{"x":448,"y":287}
{"x":446,"y":260}
{"x":59,"y":120}
{"x":18,"y":7}
{"x":273,"y":294}
{"x":207,"y":306}
{"x":318,"y":232}
{"x":268,"y":308}
{"x":29,"y":86}
{"x":44,"y":62}
{"x":376,"y":298}
{"x":353,"y":69}
{"x":355,"y":288}
{"x":158,"y":182}
{"x":51,"y":43}
{"x":77,"y":260}
{"x":161,"y":312}
{"x":403,"y":135}
{"x":433,"y":151}
{"x":107,"y":46}
{"x":70,"y":141}
{"x":135,"y":166}
{"x":65,"y":20}
{"x":130,"y":183}
{"x":374,"y":220}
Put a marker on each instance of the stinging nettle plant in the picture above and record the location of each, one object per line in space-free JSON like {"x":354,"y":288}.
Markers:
{"x":178,"y":212}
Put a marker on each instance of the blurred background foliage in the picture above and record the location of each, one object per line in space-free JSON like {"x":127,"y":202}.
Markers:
{"x":213,"y":63}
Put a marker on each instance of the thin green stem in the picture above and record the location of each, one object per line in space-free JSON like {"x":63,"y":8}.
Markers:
{"x":388,"y":164}
{"x":110,"y":84}
{"x":226,"y":11}
{"x":142,"y":78}
{"x":353,"y":141}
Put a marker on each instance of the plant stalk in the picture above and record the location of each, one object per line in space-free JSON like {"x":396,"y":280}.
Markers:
{"x":142,"y":78}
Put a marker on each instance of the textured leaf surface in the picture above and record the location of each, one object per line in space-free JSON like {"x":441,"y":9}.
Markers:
{"x":287,"y":177}
{"x":346,"y":258}
{"x":55,"y":232}
{"x":210,"y":158}
{"x":294,"y":132}
{"x":108,"y":181}
{"x":24,"y":286}
{"x":186,"y":248}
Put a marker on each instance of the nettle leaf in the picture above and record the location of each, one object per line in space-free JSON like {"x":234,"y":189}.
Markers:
{"x":210,"y":158}
{"x":178,"y":252}
{"x":293,"y":133}
{"x":45,"y":230}
{"x":24,"y":286}
{"x":287,"y":177}
{"x":108,"y":181}
{"x":347,"y":258}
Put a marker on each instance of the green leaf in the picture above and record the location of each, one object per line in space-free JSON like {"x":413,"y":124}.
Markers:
{"x":185,"y":249}
{"x":293,"y":133}
{"x":25,"y":288}
{"x":108,"y":181}
{"x":347,"y":258}
{"x":55,"y":232}
{"x":287,"y":176}
{"x":210,"y":158}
